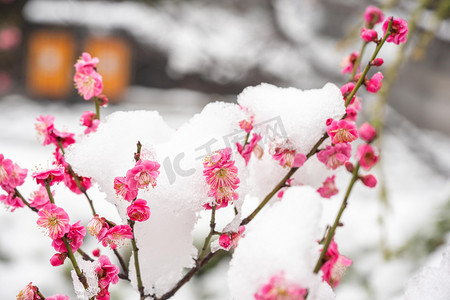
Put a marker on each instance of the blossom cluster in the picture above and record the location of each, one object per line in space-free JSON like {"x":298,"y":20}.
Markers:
{"x":342,"y":139}
{"x":11,"y":176}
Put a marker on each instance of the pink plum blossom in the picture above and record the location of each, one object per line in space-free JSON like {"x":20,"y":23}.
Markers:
{"x":29,"y":292}
{"x":39,"y":198}
{"x":17,"y":176}
{"x":44,"y":127}
{"x":122,"y":189}
{"x":116,"y":236}
{"x":143,"y":174}
{"x":98,"y":226}
{"x":58,"y":259}
{"x":252,"y":146}
{"x":247,"y":125}
{"x":348,"y":63}
{"x":369,"y":180}
{"x":335,"y":156}
{"x":88,"y":119}
{"x":342,"y":131}
{"x":107,"y":273}
{"x":52,"y":175}
{"x":367,"y":132}
{"x":328,"y":188}
{"x":369,"y":35}
{"x":66,"y":138}
{"x":11,"y":201}
{"x":351,"y":113}
{"x":74,"y":238}
{"x":6,"y":169}
{"x":138,"y":210}
{"x":222,"y":177}
{"x":86,"y":62}
{"x":335,"y":265}
{"x":374,"y":83}
{"x":346,"y":90}
{"x":373,"y":15}
{"x":399,"y":31}
{"x":366,"y":156}
{"x":88,"y":82}
{"x":230,"y":241}
{"x":54,"y":220}
{"x":70,"y":182}
{"x":278,"y":288}
{"x":285,"y":153}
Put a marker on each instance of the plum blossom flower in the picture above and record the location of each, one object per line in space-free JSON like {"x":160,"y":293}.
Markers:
{"x":328,"y":189}
{"x":222,"y":177}
{"x":252,"y":146}
{"x":374,"y":84}
{"x":335,"y":265}
{"x":38,"y":199}
{"x":29,"y":292}
{"x":230,"y":241}
{"x":247,"y":125}
{"x":65,"y":138}
{"x":138,"y":210}
{"x":88,"y":82}
{"x":86,"y":62}
{"x":116,"y":236}
{"x":52,"y":175}
{"x":58,"y":259}
{"x":285,"y":153}
{"x":11,"y":201}
{"x":369,"y":35}
{"x":366,"y":156}
{"x":74,"y":238}
{"x":54,"y":220}
{"x":278,"y":288}
{"x":335,"y":156}
{"x":70,"y":182}
{"x":342,"y":131}
{"x":6,"y":168}
{"x":369,"y":180}
{"x":367,"y":132}
{"x":399,"y":31}
{"x":122,"y":189}
{"x":44,"y":127}
{"x":143,"y":174}
{"x":17,"y":176}
{"x":348,"y":63}
{"x":88,"y":119}
{"x":373,"y":15}
{"x":107,"y":273}
{"x":98,"y":226}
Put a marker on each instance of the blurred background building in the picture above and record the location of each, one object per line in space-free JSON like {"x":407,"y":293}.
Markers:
{"x":217,"y":47}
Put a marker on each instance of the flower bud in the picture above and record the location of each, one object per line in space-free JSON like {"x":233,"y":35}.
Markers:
{"x":369,"y":180}
{"x":58,"y":259}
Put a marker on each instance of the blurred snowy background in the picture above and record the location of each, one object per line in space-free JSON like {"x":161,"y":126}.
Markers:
{"x":176,"y":56}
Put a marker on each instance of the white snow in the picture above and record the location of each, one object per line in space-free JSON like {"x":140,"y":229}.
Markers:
{"x":283,"y":238}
